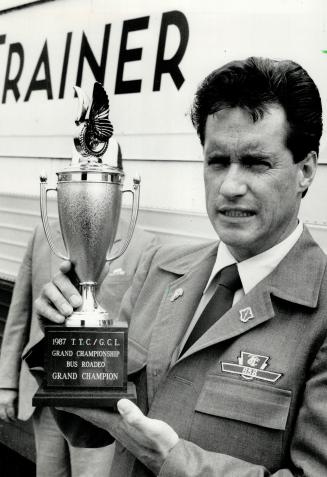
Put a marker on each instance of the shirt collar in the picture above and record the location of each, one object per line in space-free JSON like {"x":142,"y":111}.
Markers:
{"x":256,"y":268}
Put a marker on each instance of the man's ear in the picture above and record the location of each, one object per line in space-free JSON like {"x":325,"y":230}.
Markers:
{"x":307,"y":171}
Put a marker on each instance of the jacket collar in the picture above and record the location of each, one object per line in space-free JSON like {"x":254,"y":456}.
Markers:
{"x":298,"y":277}
{"x":182,"y":263}
{"x":287,"y":281}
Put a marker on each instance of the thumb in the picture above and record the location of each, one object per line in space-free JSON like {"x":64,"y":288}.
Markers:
{"x":129,"y":411}
{"x":134,"y":417}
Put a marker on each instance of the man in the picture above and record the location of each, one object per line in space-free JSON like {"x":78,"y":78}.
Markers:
{"x":228,"y":346}
{"x":55,"y":457}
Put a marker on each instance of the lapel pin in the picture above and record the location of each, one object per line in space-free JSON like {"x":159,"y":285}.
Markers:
{"x":246,"y":314}
{"x":177,"y":293}
{"x":117,"y":271}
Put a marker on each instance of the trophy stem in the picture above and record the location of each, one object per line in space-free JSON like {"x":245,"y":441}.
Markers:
{"x":90,"y":313}
{"x":87,"y":290}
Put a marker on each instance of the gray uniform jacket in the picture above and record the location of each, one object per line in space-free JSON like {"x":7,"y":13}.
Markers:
{"x":249,"y":398}
{"x":23,"y":328}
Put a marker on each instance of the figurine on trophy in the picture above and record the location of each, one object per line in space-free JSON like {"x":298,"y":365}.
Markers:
{"x":86,"y":360}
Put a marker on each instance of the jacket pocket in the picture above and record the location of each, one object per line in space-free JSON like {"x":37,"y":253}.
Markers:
{"x":244,"y":419}
{"x":245,"y":401}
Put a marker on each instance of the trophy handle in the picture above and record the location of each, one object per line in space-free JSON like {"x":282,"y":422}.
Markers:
{"x":135,"y":209}
{"x":44,"y":215}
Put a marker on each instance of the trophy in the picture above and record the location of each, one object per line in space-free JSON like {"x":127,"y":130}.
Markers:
{"x":86,"y":359}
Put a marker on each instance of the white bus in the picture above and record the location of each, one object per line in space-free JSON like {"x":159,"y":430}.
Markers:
{"x":150,"y":57}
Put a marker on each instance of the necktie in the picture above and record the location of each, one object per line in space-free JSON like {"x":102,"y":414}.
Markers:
{"x":228,"y":282}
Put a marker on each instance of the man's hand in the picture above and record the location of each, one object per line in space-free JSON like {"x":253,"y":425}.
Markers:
{"x":8,"y":404}
{"x":59,"y":297}
{"x":150,"y":440}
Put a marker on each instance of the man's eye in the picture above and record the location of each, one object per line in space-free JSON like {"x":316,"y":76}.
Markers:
{"x":218,"y":162}
{"x":257,"y":166}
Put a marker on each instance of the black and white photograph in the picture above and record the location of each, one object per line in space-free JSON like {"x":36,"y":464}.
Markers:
{"x":163,"y":238}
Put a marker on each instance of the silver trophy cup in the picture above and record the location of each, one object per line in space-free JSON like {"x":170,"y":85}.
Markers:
{"x":89,"y":205}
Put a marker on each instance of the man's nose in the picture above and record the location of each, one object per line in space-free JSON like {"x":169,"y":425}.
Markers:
{"x":233,"y":183}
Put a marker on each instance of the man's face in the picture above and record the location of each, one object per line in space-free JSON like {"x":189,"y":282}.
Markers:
{"x":253,"y":189}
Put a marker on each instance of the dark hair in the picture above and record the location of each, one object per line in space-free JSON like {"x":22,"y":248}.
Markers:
{"x":256,"y":83}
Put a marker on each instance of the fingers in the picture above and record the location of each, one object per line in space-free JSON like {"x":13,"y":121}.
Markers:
{"x":8,"y":400}
{"x":44,"y":309}
{"x":3,"y":413}
{"x":59,"y":297}
{"x":67,"y":290}
{"x":4,"y":417}
{"x":11,"y":413}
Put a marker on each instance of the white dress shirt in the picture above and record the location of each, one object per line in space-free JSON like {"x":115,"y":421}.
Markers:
{"x":251,"y":272}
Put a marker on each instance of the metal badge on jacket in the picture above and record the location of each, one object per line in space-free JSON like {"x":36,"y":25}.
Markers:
{"x":251,"y":366}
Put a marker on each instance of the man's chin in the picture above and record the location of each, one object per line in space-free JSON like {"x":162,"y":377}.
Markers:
{"x":239,"y":245}
{"x":235,"y":237}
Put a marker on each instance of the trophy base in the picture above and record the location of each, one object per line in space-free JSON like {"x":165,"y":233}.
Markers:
{"x":91,"y":398}
{"x":91,"y":319}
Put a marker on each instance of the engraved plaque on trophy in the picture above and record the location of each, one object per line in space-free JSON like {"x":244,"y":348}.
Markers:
{"x":86,"y":359}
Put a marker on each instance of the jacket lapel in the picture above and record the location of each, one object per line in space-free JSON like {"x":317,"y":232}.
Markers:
{"x":257,"y":304}
{"x":180,"y":301}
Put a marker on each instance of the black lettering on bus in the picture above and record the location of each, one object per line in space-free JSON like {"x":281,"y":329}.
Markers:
{"x":44,"y":83}
{"x":131,"y":54}
{"x":171,"y":65}
{"x":65,"y":65}
{"x":11,"y":83}
{"x":87,"y":54}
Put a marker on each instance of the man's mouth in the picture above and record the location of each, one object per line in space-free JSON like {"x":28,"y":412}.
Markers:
{"x":236,"y":212}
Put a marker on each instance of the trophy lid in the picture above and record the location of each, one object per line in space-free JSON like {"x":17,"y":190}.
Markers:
{"x":93,"y":159}
{"x":94,"y":129}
